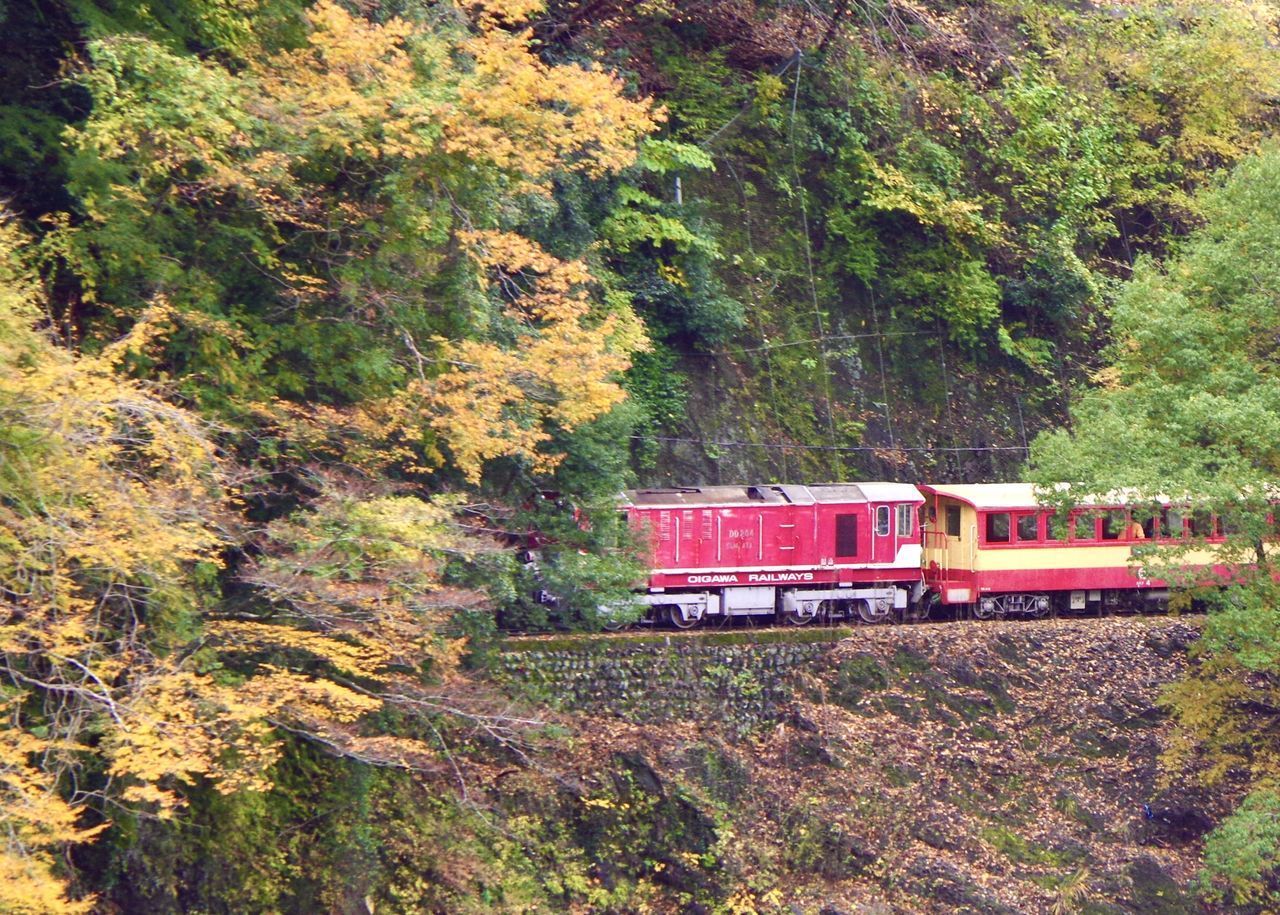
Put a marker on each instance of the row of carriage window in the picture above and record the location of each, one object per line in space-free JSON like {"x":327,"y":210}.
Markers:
{"x":1091,"y":525}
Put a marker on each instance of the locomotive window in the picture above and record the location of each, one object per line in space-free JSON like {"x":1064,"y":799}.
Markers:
{"x":997,"y":527}
{"x":846,"y":536}
{"x":904,"y":521}
{"x":1057,"y":526}
{"x":1028,"y":527}
{"x":882,"y":520}
{"x":953,"y":520}
{"x":1175,"y":523}
{"x":1086,"y":526}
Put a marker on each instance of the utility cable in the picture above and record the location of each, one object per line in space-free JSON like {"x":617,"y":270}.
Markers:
{"x":813,"y":283}
{"x":903,"y":449}
{"x":768,"y":359}
{"x":884,"y":378}
{"x":715,"y":354}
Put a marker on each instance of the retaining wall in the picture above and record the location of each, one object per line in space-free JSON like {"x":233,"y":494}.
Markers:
{"x":739,"y":678}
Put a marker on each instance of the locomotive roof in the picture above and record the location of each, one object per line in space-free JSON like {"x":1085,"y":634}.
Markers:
{"x":778,"y":494}
{"x":879,"y":492}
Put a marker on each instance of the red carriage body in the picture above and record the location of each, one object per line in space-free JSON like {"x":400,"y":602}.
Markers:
{"x":788,"y":549}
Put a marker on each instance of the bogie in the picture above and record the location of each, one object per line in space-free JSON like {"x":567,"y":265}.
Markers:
{"x":1001,"y":605}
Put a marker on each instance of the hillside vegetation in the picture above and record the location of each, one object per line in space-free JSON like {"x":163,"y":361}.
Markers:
{"x":310,"y":312}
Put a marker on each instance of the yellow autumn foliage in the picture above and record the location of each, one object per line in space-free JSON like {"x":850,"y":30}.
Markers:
{"x":113,"y":509}
{"x":370,"y":92}
{"x":351,"y":89}
{"x":562,"y":369}
{"x":426,"y":107}
{"x":525,"y":116}
{"x":115,"y":505}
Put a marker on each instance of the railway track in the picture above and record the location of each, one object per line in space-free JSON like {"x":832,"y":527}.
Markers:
{"x":741,"y":628}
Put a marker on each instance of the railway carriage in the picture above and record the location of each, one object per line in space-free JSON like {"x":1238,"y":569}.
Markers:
{"x":795,"y":552}
{"x":994,"y":548}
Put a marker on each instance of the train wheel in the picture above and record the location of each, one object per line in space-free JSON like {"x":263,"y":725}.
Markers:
{"x":675,"y":616}
{"x":801,"y":617}
{"x":874,"y":611}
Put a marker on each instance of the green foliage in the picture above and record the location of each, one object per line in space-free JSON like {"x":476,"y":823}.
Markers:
{"x":583,"y":571}
{"x":991,"y":197}
{"x":245,"y":852}
{"x":221,"y":263}
{"x":660,"y":392}
{"x":1173,"y":415}
{"x":1190,"y":410}
{"x":816,"y":840}
{"x":855,"y":679}
{"x":705,"y":91}
{"x":1018,"y":850}
{"x":229,"y":28}
{"x":1242,"y":856}
{"x":665,"y":251}
{"x":1064,"y":158}
{"x":294,"y":208}
{"x":639,"y":221}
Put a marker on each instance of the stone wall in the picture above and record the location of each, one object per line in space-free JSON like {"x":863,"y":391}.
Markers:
{"x":738,"y":678}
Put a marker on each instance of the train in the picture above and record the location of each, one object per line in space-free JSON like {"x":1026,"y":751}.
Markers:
{"x":880,"y":551}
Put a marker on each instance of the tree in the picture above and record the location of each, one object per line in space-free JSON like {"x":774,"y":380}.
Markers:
{"x":1190,"y":410}
{"x":125,"y":681}
{"x":326,"y":220}
{"x":560,"y":372}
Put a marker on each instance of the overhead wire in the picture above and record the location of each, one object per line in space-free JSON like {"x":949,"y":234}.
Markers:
{"x":768,"y":359}
{"x":884,"y":378}
{"x":946,"y":382}
{"x":823,"y":338}
{"x":808,"y":260}
{"x":881,"y":449}
{"x":747,"y":105}
{"x":711,"y":354}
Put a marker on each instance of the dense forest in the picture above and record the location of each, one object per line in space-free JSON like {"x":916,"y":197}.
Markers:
{"x":309,"y":312}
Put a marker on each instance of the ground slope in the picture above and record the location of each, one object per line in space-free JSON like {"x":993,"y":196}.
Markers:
{"x":966,"y":767}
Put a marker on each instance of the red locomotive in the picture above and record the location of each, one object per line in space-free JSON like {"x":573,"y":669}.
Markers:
{"x":794,"y":552}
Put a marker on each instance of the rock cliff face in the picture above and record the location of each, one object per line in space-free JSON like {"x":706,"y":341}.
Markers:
{"x":966,"y":767}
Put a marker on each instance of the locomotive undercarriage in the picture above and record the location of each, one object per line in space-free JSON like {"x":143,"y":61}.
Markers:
{"x":901,"y":602}
{"x":793,"y":606}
